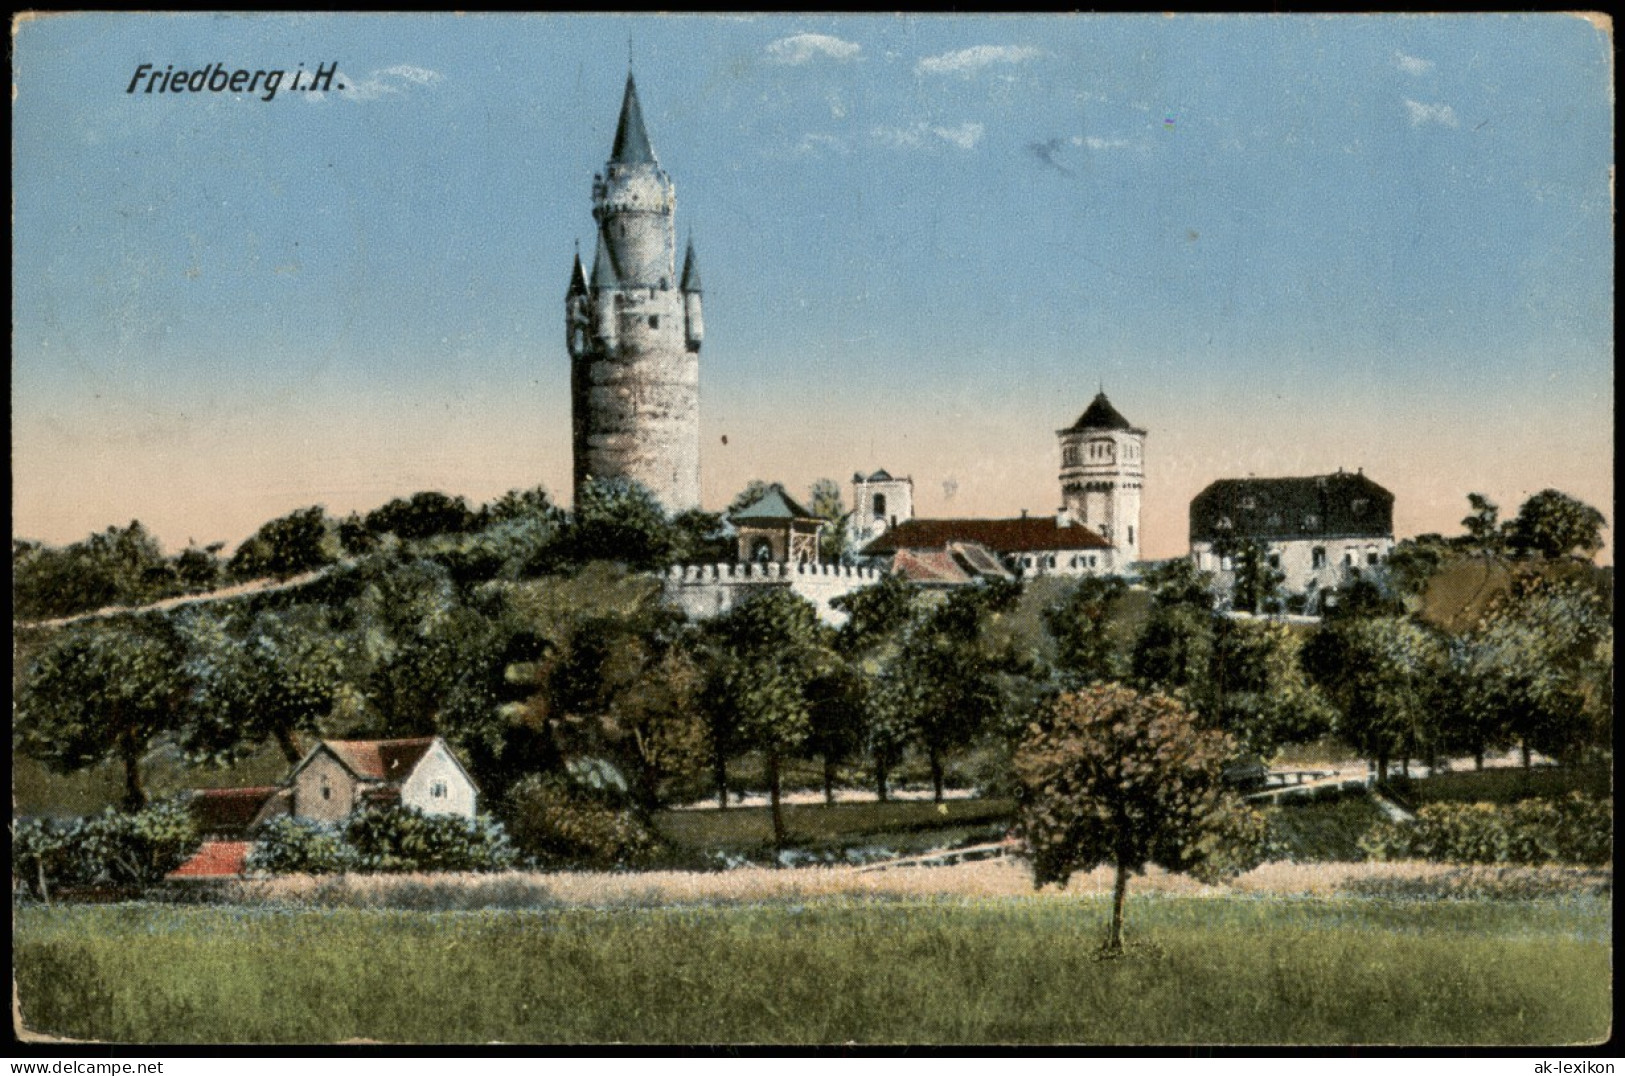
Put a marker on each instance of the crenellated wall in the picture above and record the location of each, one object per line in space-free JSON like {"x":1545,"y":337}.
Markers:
{"x":707,"y":590}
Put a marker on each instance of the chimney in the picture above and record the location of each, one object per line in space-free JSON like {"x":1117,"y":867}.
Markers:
{"x":1023,"y":513}
{"x":1063,"y":518}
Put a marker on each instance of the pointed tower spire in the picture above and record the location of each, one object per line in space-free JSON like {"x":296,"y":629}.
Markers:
{"x":691,"y":270}
{"x":603,"y":269}
{"x":631,"y":140}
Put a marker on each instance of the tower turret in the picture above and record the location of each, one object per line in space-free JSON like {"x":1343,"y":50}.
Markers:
{"x":635,"y":366}
{"x":576,"y":309}
{"x":693,"y":318}
{"x":1102,"y":472}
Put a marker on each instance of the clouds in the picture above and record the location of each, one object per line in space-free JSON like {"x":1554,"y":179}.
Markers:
{"x":967,"y":62}
{"x":1421,"y":114}
{"x":1412,"y":65}
{"x":921,"y":135}
{"x":799,"y":49}
{"x":385,"y":82}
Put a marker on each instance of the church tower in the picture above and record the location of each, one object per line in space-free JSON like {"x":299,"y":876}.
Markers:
{"x":1102,"y":470}
{"x":634,"y":328}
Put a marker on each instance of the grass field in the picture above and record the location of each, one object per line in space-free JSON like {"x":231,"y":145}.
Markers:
{"x":1229,"y":969}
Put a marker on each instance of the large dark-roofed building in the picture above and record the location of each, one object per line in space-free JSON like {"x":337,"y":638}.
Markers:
{"x":1315,"y":530}
{"x":1026,"y":545}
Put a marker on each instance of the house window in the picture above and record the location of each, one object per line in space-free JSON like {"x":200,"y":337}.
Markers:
{"x":880,"y":506}
{"x":438,"y":790}
{"x":1249,"y":502}
{"x":1131,"y":534}
{"x":654,"y":321}
{"x":1348,"y":559}
{"x":1317,"y":557}
{"x":1371,"y":556}
{"x":1358,"y":505}
{"x":1311,"y":521}
{"x":1275,"y":560}
{"x":327,"y":790}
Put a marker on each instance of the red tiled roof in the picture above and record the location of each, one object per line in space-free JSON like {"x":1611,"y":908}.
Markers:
{"x":380,"y":760}
{"x":928,"y":566}
{"x":217,"y":810}
{"x":216,"y":859}
{"x":1024,"y":535}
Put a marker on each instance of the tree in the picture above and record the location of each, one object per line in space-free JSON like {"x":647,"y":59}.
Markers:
{"x":297,"y":542}
{"x":1259,"y":693}
{"x":754,"y":490}
{"x":533,"y":503}
{"x":1381,"y":676}
{"x":1553,"y":524}
{"x":824,"y":501}
{"x":615,"y":519}
{"x":1081,"y":623}
{"x":422,"y":515}
{"x":943,"y":683}
{"x":1538,"y":668}
{"x":1255,"y":583}
{"x":270,"y":677}
{"x":1483,"y":524}
{"x":118,"y":566}
{"x":104,"y":690}
{"x":877,"y":617}
{"x":700,"y":537}
{"x":1107,"y":775}
{"x":766,"y":652}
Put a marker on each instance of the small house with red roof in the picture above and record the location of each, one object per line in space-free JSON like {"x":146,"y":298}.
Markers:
{"x":340,"y":777}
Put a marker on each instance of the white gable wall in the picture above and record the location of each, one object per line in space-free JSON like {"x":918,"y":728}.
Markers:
{"x":437,"y":768}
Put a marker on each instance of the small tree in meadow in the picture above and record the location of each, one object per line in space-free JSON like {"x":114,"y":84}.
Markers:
{"x":1107,"y":775}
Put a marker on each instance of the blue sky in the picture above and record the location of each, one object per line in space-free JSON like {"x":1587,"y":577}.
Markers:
{"x":1284,"y":245}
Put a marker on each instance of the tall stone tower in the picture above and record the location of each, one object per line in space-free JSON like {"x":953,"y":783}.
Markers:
{"x":634,"y":329}
{"x":1102,"y":470}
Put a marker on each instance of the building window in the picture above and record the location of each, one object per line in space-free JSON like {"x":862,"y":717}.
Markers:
{"x":1249,"y":503}
{"x":1371,"y":556}
{"x":1357,"y":505}
{"x":880,"y":506}
{"x":438,"y":790}
{"x":1275,"y":560}
{"x":327,"y":790}
{"x":1317,"y":557}
{"x":1131,"y":534}
{"x":654,"y":321}
{"x":1348,"y":559}
{"x":1311,"y":521}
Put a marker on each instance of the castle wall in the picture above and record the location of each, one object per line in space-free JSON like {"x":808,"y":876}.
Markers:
{"x":703,"y":591}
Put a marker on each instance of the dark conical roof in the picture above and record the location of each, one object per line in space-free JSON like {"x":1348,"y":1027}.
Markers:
{"x":578,"y":278}
{"x":631,"y":140}
{"x":603,"y":270}
{"x":691,"y":270}
{"x":1101,"y":415}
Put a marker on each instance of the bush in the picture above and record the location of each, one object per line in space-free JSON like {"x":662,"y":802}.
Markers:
{"x":111,"y":849}
{"x":299,"y":846}
{"x":406,"y":839}
{"x":382,"y":839}
{"x":1575,"y":829}
{"x":560,"y":828}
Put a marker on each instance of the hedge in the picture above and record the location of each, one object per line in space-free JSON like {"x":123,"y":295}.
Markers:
{"x":1574,"y":829}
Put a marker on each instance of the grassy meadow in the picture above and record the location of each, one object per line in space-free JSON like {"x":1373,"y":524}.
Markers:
{"x":885,"y":966}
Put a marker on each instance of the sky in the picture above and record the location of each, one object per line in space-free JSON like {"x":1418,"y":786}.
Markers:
{"x":1282,"y":244}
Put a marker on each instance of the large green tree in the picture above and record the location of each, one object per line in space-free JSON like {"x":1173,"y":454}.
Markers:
{"x":297,"y":542}
{"x":271,"y":676}
{"x":1084,"y":628}
{"x":1381,"y":674}
{"x":1110,"y":776}
{"x":1553,"y":524}
{"x":765,"y":653}
{"x":104,"y":690}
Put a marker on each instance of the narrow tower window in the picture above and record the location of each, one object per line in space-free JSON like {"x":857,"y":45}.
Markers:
{"x":880,"y":506}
